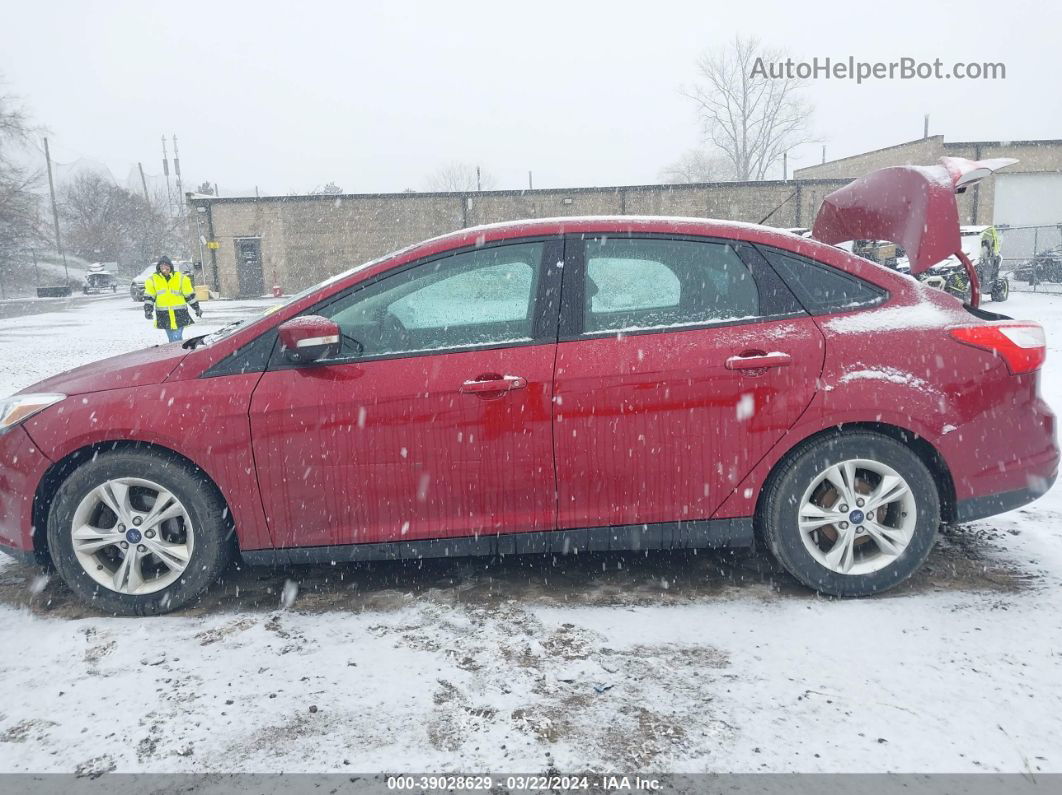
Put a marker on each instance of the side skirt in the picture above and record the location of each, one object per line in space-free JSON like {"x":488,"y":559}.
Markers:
{"x":701,"y":534}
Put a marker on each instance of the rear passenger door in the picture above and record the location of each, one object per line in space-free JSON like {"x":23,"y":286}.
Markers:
{"x":680,"y":362}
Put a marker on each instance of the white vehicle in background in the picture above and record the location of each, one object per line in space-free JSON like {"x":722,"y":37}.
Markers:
{"x":136,"y":287}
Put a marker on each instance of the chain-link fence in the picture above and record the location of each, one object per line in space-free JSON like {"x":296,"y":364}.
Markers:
{"x":1032,"y":257}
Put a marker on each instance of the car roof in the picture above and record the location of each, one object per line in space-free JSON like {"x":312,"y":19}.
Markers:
{"x":616,"y":224}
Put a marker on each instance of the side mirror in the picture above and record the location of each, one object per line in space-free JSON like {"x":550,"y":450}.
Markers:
{"x":308,"y":338}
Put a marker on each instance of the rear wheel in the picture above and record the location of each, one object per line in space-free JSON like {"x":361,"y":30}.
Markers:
{"x":137,"y":533}
{"x":852,"y":514}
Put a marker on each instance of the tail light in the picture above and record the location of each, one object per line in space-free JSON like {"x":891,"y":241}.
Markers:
{"x":1022,"y":346}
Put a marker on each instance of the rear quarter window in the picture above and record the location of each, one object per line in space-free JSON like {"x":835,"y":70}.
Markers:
{"x":820,"y":288}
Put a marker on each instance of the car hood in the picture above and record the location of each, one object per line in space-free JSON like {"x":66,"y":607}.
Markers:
{"x":913,"y":206}
{"x":147,"y":366}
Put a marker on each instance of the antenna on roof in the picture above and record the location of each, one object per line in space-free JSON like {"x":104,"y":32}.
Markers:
{"x":779,"y":207}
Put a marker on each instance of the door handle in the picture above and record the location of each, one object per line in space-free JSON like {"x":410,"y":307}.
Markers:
{"x":758,"y":360}
{"x":505,"y":383}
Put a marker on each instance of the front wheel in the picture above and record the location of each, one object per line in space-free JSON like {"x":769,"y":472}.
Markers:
{"x":851,"y":514}
{"x":138,"y":533}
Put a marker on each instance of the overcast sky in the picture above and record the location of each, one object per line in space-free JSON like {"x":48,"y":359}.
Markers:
{"x":375,"y":97}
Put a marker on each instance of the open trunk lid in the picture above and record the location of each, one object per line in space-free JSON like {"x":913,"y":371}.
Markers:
{"x":913,"y":206}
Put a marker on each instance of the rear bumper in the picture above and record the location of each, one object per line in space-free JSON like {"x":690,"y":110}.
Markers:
{"x":979,"y":507}
{"x":1008,"y":447}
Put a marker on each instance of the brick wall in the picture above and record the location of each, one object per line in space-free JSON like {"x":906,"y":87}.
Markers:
{"x":305,"y":239}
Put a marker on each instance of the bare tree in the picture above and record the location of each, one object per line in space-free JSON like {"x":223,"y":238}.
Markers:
{"x":21,"y":226}
{"x":751,"y":117}
{"x":697,"y":165}
{"x":460,"y":178}
{"x":206,"y":188}
{"x":106,"y":222}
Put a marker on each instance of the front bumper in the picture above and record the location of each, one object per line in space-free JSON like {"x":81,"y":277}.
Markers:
{"x":22,"y":466}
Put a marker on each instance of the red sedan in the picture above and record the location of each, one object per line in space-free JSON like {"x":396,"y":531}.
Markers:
{"x":550,"y":386}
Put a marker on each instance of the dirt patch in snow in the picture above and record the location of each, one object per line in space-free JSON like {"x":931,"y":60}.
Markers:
{"x":966,"y":558}
{"x":973,"y":558}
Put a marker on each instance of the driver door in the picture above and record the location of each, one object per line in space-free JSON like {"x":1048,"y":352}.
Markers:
{"x":433,"y":421}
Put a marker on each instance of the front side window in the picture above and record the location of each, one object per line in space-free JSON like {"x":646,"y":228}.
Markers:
{"x":480,"y":297}
{"x":658,"y":283}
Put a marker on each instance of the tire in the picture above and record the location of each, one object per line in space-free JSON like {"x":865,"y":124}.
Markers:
{"x":174,"y":561}
{"x":798,"y":497}
{"x":1001,"y":290}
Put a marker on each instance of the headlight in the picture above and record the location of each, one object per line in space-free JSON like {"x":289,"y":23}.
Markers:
{"x":19,"y":408}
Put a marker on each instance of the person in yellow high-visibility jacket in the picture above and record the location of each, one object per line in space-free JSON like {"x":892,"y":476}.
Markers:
{"x":168,"y":295}
{"x":990,"y":238}
{"x":990,"y":260}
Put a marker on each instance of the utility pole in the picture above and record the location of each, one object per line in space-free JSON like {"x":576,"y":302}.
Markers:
{"x":143,"y":181}
{"x":166,"y":171}
{"x":479,"y":186}
{"x":824,"y":153}
{"x":925,"y":127}
{"x":213,"y":251}
{"x":785,"y":166}
{"x":177,"y":174}
{"x":530,"y":185}
{"x":181,"y":198}
{"x":55,"y":215}
{"x":199,"y":213}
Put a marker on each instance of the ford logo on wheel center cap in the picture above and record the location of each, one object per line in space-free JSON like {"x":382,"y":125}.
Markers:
{"x":133,"y":536}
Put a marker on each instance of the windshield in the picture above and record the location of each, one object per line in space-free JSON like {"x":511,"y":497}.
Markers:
{"x":232,"y":328}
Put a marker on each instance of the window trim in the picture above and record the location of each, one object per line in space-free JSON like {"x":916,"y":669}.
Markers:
{"x":882,"y":297}
{"x":573,"y":290}
{"x":544,"y":306}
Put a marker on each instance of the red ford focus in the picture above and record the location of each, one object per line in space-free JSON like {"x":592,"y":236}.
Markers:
{"x":551,"y":386}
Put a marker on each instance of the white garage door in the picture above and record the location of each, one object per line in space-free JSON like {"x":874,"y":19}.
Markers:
{"x":1027,"y":199}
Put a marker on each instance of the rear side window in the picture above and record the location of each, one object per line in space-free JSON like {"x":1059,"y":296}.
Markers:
{"x":659,"y":283}
{"x":820,"y":288}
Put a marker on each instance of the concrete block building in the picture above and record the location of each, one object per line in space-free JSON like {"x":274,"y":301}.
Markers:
{"x":295,"y":241}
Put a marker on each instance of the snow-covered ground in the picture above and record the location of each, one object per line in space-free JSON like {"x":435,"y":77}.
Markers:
{"x":709,"y":662}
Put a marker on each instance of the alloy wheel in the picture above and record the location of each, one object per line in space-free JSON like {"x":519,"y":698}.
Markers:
{"x":857,"y":516}
{"x":132,"y":536}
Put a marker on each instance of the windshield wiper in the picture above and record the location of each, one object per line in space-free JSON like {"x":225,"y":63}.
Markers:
{"x":193,"y":342}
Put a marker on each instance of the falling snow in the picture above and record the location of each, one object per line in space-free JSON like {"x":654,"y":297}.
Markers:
{"x":639,"y":661}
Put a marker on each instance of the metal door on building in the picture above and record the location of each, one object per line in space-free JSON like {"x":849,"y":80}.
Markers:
{"x":249,"y":267}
